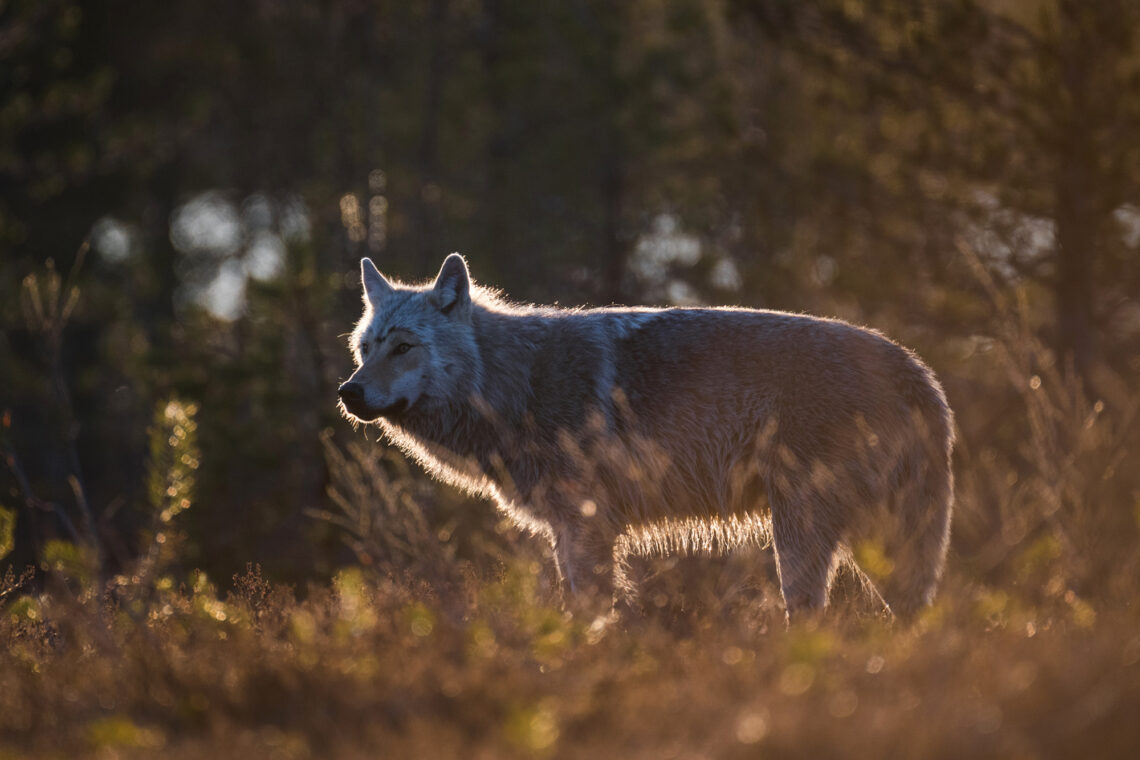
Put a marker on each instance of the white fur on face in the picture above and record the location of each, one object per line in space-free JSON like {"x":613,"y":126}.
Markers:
{"x":442,"y":357}
{"x":391,"y":361}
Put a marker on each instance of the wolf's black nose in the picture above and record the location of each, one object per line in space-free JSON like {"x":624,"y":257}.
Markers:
{"x":351,"y":393}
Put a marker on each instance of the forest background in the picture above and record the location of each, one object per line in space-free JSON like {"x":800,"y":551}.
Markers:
{"x":186,"y":189}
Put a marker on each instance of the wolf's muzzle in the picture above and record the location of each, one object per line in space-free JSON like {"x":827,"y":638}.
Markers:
{"x":352,"y":396}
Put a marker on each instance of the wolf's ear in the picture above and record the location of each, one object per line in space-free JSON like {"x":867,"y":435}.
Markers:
{"x":452,"y":289}
{"x":376,"y":288}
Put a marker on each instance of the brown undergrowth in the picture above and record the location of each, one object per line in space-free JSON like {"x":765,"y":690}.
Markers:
{"x":446,"y":638}
{"x":382,"y":667}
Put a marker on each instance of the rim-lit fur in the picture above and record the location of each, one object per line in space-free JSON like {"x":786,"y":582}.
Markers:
{"x":619,"y":430}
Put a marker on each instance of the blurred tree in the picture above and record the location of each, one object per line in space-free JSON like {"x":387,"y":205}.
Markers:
{"x":820,"y":155}
{"x":1015,"y":127}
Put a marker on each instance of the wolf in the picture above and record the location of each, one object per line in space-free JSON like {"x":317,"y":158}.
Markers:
{"x":613,"y":431}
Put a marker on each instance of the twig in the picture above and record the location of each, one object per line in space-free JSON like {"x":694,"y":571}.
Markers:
{"x":48,"y":313}
{"x":31,"y":501}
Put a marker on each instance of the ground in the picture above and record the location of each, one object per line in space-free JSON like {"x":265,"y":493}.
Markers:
{"x":489,"y":667}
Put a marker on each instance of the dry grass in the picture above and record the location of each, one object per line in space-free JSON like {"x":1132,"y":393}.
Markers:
{"x":382,"y":668}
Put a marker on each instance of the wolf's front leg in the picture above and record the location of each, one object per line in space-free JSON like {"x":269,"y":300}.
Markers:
{"x":584,"y":556}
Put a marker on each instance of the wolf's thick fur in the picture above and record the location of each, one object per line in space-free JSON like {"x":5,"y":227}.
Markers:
{"x":616,"y":430}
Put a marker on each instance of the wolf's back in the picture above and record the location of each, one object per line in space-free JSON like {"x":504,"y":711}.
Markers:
{"x":742,"y":361}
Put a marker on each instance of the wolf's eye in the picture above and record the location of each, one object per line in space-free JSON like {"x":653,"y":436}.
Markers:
{"x":403,"y":348}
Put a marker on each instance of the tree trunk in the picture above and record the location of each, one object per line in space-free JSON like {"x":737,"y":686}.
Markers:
{"x":615,"y":249}
{"x":427,"y":201}
{"x":1076,"y":258}
{"x":1078,"y":197}
{"x":498,"y":147}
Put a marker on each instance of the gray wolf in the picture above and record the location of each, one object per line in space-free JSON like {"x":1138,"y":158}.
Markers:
{"x":611,"y":431}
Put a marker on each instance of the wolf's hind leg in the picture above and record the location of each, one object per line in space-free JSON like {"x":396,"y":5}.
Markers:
{"x":916,"y":541}
{"x":806,"y":545}
{"x":916,"y":554}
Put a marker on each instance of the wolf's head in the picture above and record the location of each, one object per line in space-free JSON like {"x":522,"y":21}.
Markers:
{"x":414,"y":346}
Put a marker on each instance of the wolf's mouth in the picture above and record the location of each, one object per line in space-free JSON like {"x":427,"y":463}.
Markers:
{"x":393,"y":410}
{"x":363,"y":411}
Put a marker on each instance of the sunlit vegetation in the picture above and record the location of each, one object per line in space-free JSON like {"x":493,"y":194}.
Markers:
{"x":199,"y":558}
